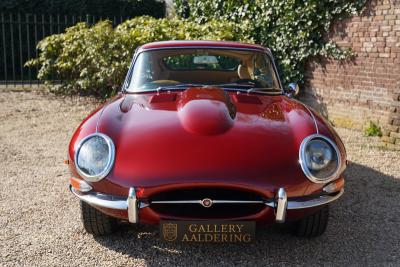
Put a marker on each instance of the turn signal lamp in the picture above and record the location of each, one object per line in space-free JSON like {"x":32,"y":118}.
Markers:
{"x":80,"y":185}
{"x":334,"y":186}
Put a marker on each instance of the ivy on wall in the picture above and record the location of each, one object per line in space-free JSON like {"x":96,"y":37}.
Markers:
{"x":294,"y":30}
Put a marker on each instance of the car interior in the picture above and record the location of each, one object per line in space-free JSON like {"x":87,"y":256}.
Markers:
{"x":205,"y":66}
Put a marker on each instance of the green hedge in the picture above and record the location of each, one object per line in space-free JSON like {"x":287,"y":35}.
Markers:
{"x":295,"y":30}
{"x":104,"y":8}
{"x":94,"y":60}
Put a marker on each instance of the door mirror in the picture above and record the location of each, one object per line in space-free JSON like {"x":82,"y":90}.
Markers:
{"x":292,"y":89}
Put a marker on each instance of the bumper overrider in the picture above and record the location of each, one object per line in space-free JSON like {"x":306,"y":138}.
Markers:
{"x":281,"y":203}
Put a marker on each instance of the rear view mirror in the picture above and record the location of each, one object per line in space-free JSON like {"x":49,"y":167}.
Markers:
{"x":205,"y":60}
{"x":292,"y":90}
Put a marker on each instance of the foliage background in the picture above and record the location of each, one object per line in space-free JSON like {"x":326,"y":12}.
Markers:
{"x":295,"y":30}
{"x":94,"y":60}
{"x":110,"y":8}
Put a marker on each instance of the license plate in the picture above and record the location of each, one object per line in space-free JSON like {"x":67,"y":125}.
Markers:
{"x":207,"y":231}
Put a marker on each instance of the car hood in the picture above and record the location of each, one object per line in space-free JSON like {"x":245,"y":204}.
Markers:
{"x":206,"y":135}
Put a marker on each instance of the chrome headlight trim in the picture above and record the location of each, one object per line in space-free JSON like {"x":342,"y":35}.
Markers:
{"x":110,"y":161}
{"x":302,"y":158}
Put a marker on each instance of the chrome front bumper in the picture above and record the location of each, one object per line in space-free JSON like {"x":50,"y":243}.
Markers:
{"x":131,"y":204}
{"x":281,"y":203}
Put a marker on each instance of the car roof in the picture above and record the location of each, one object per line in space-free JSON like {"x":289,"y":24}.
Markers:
{"x":223,"y":44}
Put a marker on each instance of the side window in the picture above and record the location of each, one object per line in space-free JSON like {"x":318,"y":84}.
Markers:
{"x":262,"y":69}
{"x":142,"y":71}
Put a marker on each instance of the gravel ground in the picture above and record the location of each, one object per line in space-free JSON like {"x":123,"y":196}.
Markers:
{"x":40,"y":224}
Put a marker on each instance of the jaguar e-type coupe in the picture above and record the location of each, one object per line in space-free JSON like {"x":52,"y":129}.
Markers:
{"x":205,"y":142}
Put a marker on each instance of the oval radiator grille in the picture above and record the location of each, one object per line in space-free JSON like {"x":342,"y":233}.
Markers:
{"x":199,"y":203}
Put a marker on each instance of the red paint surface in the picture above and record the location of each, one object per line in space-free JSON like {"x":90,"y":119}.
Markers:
{"x":191,"y":140}
{"x":204,"y":137}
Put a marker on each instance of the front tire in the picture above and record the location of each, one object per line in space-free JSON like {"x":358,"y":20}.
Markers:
{"x":96,"y":222}
{"x":313,"y":225}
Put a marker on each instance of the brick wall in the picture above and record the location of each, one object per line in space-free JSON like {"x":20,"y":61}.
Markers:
{"x":366,"y":88}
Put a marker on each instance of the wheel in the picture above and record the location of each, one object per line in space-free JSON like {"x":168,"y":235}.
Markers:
{"x":96,"y":222}
{"x":313,"y":225}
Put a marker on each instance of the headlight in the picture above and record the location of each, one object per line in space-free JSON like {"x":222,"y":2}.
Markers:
{"x":319,"y":158}
{"x":94,"y":157}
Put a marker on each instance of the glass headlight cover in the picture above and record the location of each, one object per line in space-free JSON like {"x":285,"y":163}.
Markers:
{"x":94,"y":157}
{"x":319,"y":158}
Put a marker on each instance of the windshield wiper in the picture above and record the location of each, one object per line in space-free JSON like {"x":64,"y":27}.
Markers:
{"x":263,"y":90}
{"x":251,"y":88}
{"x":248,"y":88}
{"x":233,"y":85}
{"x":176,"y":87}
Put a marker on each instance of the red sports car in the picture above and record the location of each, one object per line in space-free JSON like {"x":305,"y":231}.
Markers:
{"x":204,"y":141}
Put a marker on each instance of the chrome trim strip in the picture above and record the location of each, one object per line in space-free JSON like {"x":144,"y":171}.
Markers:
{"x":133,"y":205}
{"x":313,"y":117}
{"x":130,"y":70}
{"x":281,"y":205}
{"x":98,"y":119}
{"x":133,"y":208}
{"x":302,"y":159}
{"x":213,"y":201}
{"x":278,"y":77}
{"x":110,"y":162}
{"x":318,"y":201}
{"x":281,"y":196}
{"x":143,"y":205}
{"x":105,"y":201}
{"x":238,"y":201}
{"x":101,"y":200}
{"x":176,"y":202}
{"x":322,"y":200}
{"x":261,"y":49}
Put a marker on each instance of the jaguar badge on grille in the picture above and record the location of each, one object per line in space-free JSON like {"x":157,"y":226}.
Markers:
{"x":206,"y":202}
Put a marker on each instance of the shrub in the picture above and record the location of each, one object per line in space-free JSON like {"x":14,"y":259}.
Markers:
{"x":373,"y":130}
{"x":294,"y":30}
{"x":94,"y":60}
{"x":81,"y":58}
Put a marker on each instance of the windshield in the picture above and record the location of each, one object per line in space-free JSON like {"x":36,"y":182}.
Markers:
{"x":226,"y":68}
